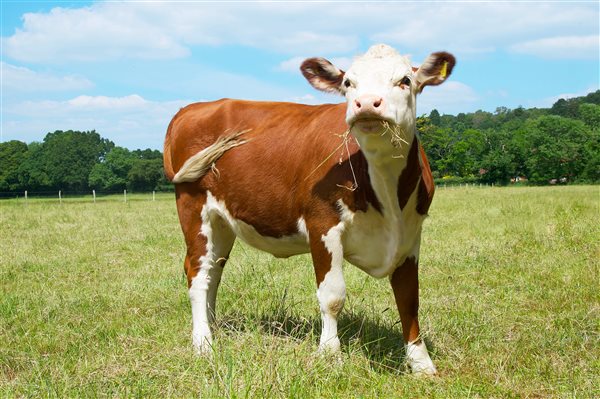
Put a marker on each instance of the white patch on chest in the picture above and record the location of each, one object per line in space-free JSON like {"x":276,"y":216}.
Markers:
{"x":281,"y":247}
{"x":378,"y":244}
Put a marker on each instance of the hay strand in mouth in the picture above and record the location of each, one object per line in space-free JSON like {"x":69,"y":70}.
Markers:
{"x":397,"y":133}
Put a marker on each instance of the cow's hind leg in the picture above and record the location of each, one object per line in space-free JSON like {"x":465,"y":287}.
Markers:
{"x":405,"y":284}
{"x":209,"y":240}
{"x":328,"y":256}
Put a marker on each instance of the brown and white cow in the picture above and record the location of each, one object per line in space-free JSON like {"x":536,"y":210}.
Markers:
{"x":289,"y":179}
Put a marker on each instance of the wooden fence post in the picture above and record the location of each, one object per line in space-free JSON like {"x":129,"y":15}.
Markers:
{"x":153,"y":195}
{"x":94,"y":195}
{"x":125,"y":195}
{"x":60,"y":196}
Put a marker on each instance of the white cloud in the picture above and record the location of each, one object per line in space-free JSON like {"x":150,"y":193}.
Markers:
{"x":574,"y":47}
{"x":471,"y":28}
{"x":115,"y":30}
{"x":102,"y":31}
{"x":449,"y":98}
{"x":306,"y":99}
{"x":158,"y":30}
{"x":130,"y":121}
{"x":103,"y":102}
{"x":293,"y":64}
{"x":25,"y":80}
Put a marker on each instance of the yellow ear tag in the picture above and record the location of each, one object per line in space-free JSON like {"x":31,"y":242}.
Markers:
{"x":444,"y":70}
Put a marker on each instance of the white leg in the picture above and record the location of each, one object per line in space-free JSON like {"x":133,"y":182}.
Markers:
{"x":332,"y":290}
{"x":204,"y":286}
{"x":199,"y":290}
{"x":331,"y":295}
{"x":418,"y":358}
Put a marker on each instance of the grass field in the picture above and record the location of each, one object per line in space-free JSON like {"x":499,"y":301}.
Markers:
{"x":93,"y":302}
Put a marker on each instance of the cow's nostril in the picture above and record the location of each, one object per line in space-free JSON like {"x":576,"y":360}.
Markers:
{"x":377,"y":103}
{"x":357,"y":103}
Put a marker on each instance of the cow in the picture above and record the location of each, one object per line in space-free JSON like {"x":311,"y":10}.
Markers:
{"x":341,"y":181}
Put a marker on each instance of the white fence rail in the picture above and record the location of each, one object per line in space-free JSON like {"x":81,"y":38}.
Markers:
{"x":93,"y":196}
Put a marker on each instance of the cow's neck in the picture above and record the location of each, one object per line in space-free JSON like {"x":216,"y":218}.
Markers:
{"x":386,"y":163}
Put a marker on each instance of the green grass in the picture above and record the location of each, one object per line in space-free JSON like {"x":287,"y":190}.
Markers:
{"x":93,"y":302}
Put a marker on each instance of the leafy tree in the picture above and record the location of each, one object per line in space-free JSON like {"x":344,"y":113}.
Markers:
{"x":434,"y":117}
{"x":483,"y":120}
{"x":12,"y":155}
{"x":111,"y":173}
{"x":466,"y":153}
{"x":591,"y":171}
{"x":147,"y":154}
{"x":138,"y":170}
{"x":557,"y":148}
{"x":498,"y":159}
{"x":145,"y":174}
{"x":69,"y":157}
{"x":32,"y":171}
{"x":590,"y":114}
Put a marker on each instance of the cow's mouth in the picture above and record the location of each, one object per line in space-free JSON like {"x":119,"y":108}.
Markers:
{"x":376,"y":125}
{"x":370,"y":123}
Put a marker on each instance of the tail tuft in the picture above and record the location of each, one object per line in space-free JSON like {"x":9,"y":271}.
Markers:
{"x":196,"y":166}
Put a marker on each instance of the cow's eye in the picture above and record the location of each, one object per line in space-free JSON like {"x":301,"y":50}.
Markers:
{"x":348,"y":83}
{"x":405,"y":81}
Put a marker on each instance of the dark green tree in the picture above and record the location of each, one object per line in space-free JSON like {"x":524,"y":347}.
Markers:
{"x":557,"y":148}
{"x":466,"y":152}
{"x":590,"y":114}
{"x":32,"y":171}
{"x":70,"y":156}
{"x":111,"y":173}
{"x":12,"y":155}
{"x":145,"y":174}
{"x":434,"y":117}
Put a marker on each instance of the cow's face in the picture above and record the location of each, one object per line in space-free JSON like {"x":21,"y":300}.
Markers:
{"x":381,"y":86}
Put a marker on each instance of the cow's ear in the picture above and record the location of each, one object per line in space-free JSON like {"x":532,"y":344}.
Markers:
{"x":323,"y":75}
{"x":435,"y":69}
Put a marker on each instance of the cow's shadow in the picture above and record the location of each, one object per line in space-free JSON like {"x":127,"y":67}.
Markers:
{"x":380,"y":342}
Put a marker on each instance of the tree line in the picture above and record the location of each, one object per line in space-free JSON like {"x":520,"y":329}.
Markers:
{"x":553,"y":145}
{"x":560,"y":144}
{"x":78,"y":162}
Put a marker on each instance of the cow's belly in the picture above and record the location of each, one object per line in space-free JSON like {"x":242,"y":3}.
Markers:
{"x":375,"y":243}
{"x":281,"y":247}
{"x":378,"y":244}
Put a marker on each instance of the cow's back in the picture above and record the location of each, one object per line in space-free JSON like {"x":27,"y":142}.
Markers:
{"x":289,"y":148}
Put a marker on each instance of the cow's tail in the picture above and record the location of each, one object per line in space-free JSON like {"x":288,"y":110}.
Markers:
{"x":167,"y":164}
{"x":196,"y":166}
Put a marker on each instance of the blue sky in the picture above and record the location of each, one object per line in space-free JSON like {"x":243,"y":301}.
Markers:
{"x":124,"y":68}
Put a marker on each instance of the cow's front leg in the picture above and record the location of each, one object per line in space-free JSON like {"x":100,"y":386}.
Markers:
{"x":328,"y":256}
{"x":405,"y":283}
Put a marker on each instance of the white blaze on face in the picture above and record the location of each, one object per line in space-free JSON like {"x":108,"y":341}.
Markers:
{"x":379,"y":85}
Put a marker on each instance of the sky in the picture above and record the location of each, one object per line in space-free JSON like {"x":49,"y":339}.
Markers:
{"x":124,"y":68}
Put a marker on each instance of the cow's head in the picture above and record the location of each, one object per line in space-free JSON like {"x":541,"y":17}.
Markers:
{"x":381,"y":86}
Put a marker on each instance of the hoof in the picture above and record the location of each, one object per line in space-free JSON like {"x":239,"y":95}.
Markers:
{"x":418,"y":359}
{"x":203,"y":346}
{"x":422,"y":370}
{"x":331,"y":346}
